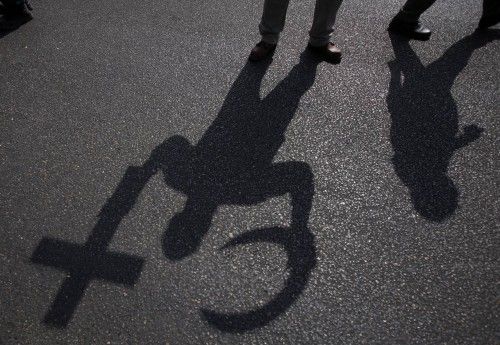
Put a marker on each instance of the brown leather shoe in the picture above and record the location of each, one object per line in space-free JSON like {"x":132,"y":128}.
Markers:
{"x":261,"y":51}
{"x":329,"y":52}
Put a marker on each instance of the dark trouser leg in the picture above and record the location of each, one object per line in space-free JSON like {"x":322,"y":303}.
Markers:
{"x":407,"y":23}
{"x":325,"y":13}
{"x":14,"y":14}
{"x":273,"y":20}
{"x":12,"y":4}
{"x":413,"y":9}
{"x":491,"y":13}
{"x":491,"y":7}
{"x":15,"y":8}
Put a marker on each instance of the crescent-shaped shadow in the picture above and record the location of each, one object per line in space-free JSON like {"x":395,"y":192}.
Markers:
{"x":301,"y":253}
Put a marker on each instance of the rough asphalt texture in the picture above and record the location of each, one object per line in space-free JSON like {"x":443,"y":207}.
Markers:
{"x":90,"y":88}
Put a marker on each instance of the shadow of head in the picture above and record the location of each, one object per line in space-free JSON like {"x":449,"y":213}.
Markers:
{"x":172,"y":152}
{"x":436,"y":198}
{"x":186,"y":230}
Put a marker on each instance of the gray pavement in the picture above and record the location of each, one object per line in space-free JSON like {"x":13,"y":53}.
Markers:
{"x":158,"y":189}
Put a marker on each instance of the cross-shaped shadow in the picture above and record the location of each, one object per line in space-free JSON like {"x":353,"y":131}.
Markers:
{"x":424,"y":130}
{"x":92,"y":260}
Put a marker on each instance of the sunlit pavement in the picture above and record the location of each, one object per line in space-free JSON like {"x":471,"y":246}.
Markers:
{"x":158,"y":189}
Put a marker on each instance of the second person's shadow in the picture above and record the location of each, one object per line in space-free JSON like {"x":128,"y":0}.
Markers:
{"x":232,"y":164}
{"x":424,"y":129}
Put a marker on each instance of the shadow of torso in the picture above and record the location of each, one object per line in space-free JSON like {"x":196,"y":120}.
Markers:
{"x":232,"y":161}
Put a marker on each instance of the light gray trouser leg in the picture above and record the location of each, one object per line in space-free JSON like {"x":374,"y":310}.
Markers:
{"x":274,"y":15}
{"x":325,"y":13}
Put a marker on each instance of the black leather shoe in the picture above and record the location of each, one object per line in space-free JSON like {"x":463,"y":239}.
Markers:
{"x":413,"y":30}
{"x":329,"y":52}
{"x":261,"y":51}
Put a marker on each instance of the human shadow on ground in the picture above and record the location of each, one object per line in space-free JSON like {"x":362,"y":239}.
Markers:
{"x":424,"y":129}
{"x":232,"y":164}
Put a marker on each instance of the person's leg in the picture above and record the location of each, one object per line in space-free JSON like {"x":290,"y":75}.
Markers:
{"x":413,"y":9}
{"x":13,"y":6}
{"x":270,"y":27}
{"x":491,"y":14}
{"x":325,"y":13}
{"x":273,"y":20}
{"x":407,"y":23}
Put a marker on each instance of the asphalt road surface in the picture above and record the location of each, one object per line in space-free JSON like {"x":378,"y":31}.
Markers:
{"x":158,"y":189}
